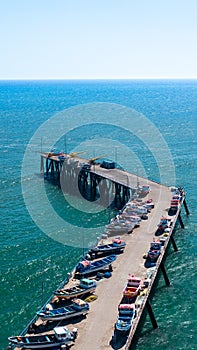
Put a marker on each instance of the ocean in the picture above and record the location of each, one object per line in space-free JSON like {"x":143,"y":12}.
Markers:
{"x":31,"y":255}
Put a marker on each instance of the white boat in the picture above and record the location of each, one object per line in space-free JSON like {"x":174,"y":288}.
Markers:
{"x":140,"y":211}
{"x":61,"y":336}
{"x":133,"y":218}
{"x":116,"y":230}
{"x":119,"y":227}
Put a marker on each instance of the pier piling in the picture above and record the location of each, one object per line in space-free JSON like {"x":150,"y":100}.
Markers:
{"x":173,"y":243}
{"x":180,"y":220}
{"x":165,"y":274}
{"x":151,"y":314}
{"x":186,"y":207}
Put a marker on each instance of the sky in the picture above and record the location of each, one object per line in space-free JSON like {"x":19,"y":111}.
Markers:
{"x":98,"y":39}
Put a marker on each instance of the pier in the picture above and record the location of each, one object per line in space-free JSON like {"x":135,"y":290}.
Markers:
{"x":90,"y":179}
{"x":97,"y":330}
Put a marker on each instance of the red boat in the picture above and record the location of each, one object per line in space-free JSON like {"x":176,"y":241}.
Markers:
{"x":133,"y":286}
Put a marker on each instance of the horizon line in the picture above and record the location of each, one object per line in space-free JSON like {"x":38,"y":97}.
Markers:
{"x":108,"y":79}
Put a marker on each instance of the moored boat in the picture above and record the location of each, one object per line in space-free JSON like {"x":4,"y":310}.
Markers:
{"x":174,"y":204}
{"x":154,"y":251}
{"x":61,"y":336}
{"x":132,"y":287}
{"x":134,"y":281}
{"x":86,"y":267}
{"x":163,"y":223}
{"x":125,"y":317}
{"x":130,"y":217}
{"x":136,"y":210}
{"x":84,"y":287}
{"x":77,"y":308}
{"x":130,"y":292}
{"x":116,"y":246}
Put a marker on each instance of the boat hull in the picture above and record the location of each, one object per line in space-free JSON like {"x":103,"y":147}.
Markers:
{"x":63,"y":316}
{"x":39,"y":345}
{"x":123,"y":326}
{"x":75,"y":295}
{"x":107,"y":249}
{"x":93,"y":267}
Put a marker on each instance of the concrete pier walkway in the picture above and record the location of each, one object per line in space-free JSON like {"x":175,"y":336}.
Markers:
{"x":96,"y":331}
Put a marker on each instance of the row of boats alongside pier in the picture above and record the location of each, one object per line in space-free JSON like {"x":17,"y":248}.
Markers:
{"x":129,"y":217}
{"x":135,"y":290}
{"x":70,"y":301}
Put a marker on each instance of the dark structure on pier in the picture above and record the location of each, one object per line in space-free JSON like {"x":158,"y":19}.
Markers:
{"x":82,"y":178}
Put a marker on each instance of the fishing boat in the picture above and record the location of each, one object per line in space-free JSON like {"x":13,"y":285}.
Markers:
{"x":130,"y":292}
{"x":119,"y":227}
{"x":84,"y":287}
{"x":77,"y":308}
{"x":116,"y":246}
{"x":125,"y":317}
{"x":154,"y":251}
{"x":163,"y":223}
{"x":86,"y":267}
{"x":132,"y":217}
{"x":134,"y":281}
{"x":61,"y":336}
{"x":136,"y":210}
{"x":132,"y":287}
{"x":175,"y":203}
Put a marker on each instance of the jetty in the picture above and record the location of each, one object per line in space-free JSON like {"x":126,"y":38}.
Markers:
{"x":97,"y":330}
{"x":89,"y":178}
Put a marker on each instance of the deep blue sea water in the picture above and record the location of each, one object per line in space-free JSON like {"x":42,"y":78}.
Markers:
{"x":28,"y":256}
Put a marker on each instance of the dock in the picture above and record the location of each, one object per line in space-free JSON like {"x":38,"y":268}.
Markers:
{"x":79,"y":175}
{"x":97,"y":330}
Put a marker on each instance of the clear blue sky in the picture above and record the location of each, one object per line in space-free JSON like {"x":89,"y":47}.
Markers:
{"x":106,"y":39}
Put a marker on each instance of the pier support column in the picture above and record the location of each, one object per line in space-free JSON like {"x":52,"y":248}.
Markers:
{"x":151,"y":314}
{"x":47,"y":167}
{"x":186,"y":207}
{"x":42,"y":165}
{"x":174,"y":243}
{"x":181,"y":221}
{"x":165,"y":274}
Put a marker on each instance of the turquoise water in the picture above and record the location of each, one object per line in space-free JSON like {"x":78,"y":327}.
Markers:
{"x":29,"y":257}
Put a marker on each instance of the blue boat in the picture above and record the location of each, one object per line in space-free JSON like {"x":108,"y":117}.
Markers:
{"x":77,"y":308}
{"x":116,"y":246}
{"x":86,"y":267}
{"x":154,"y":251}
{"x":125,"y":317}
